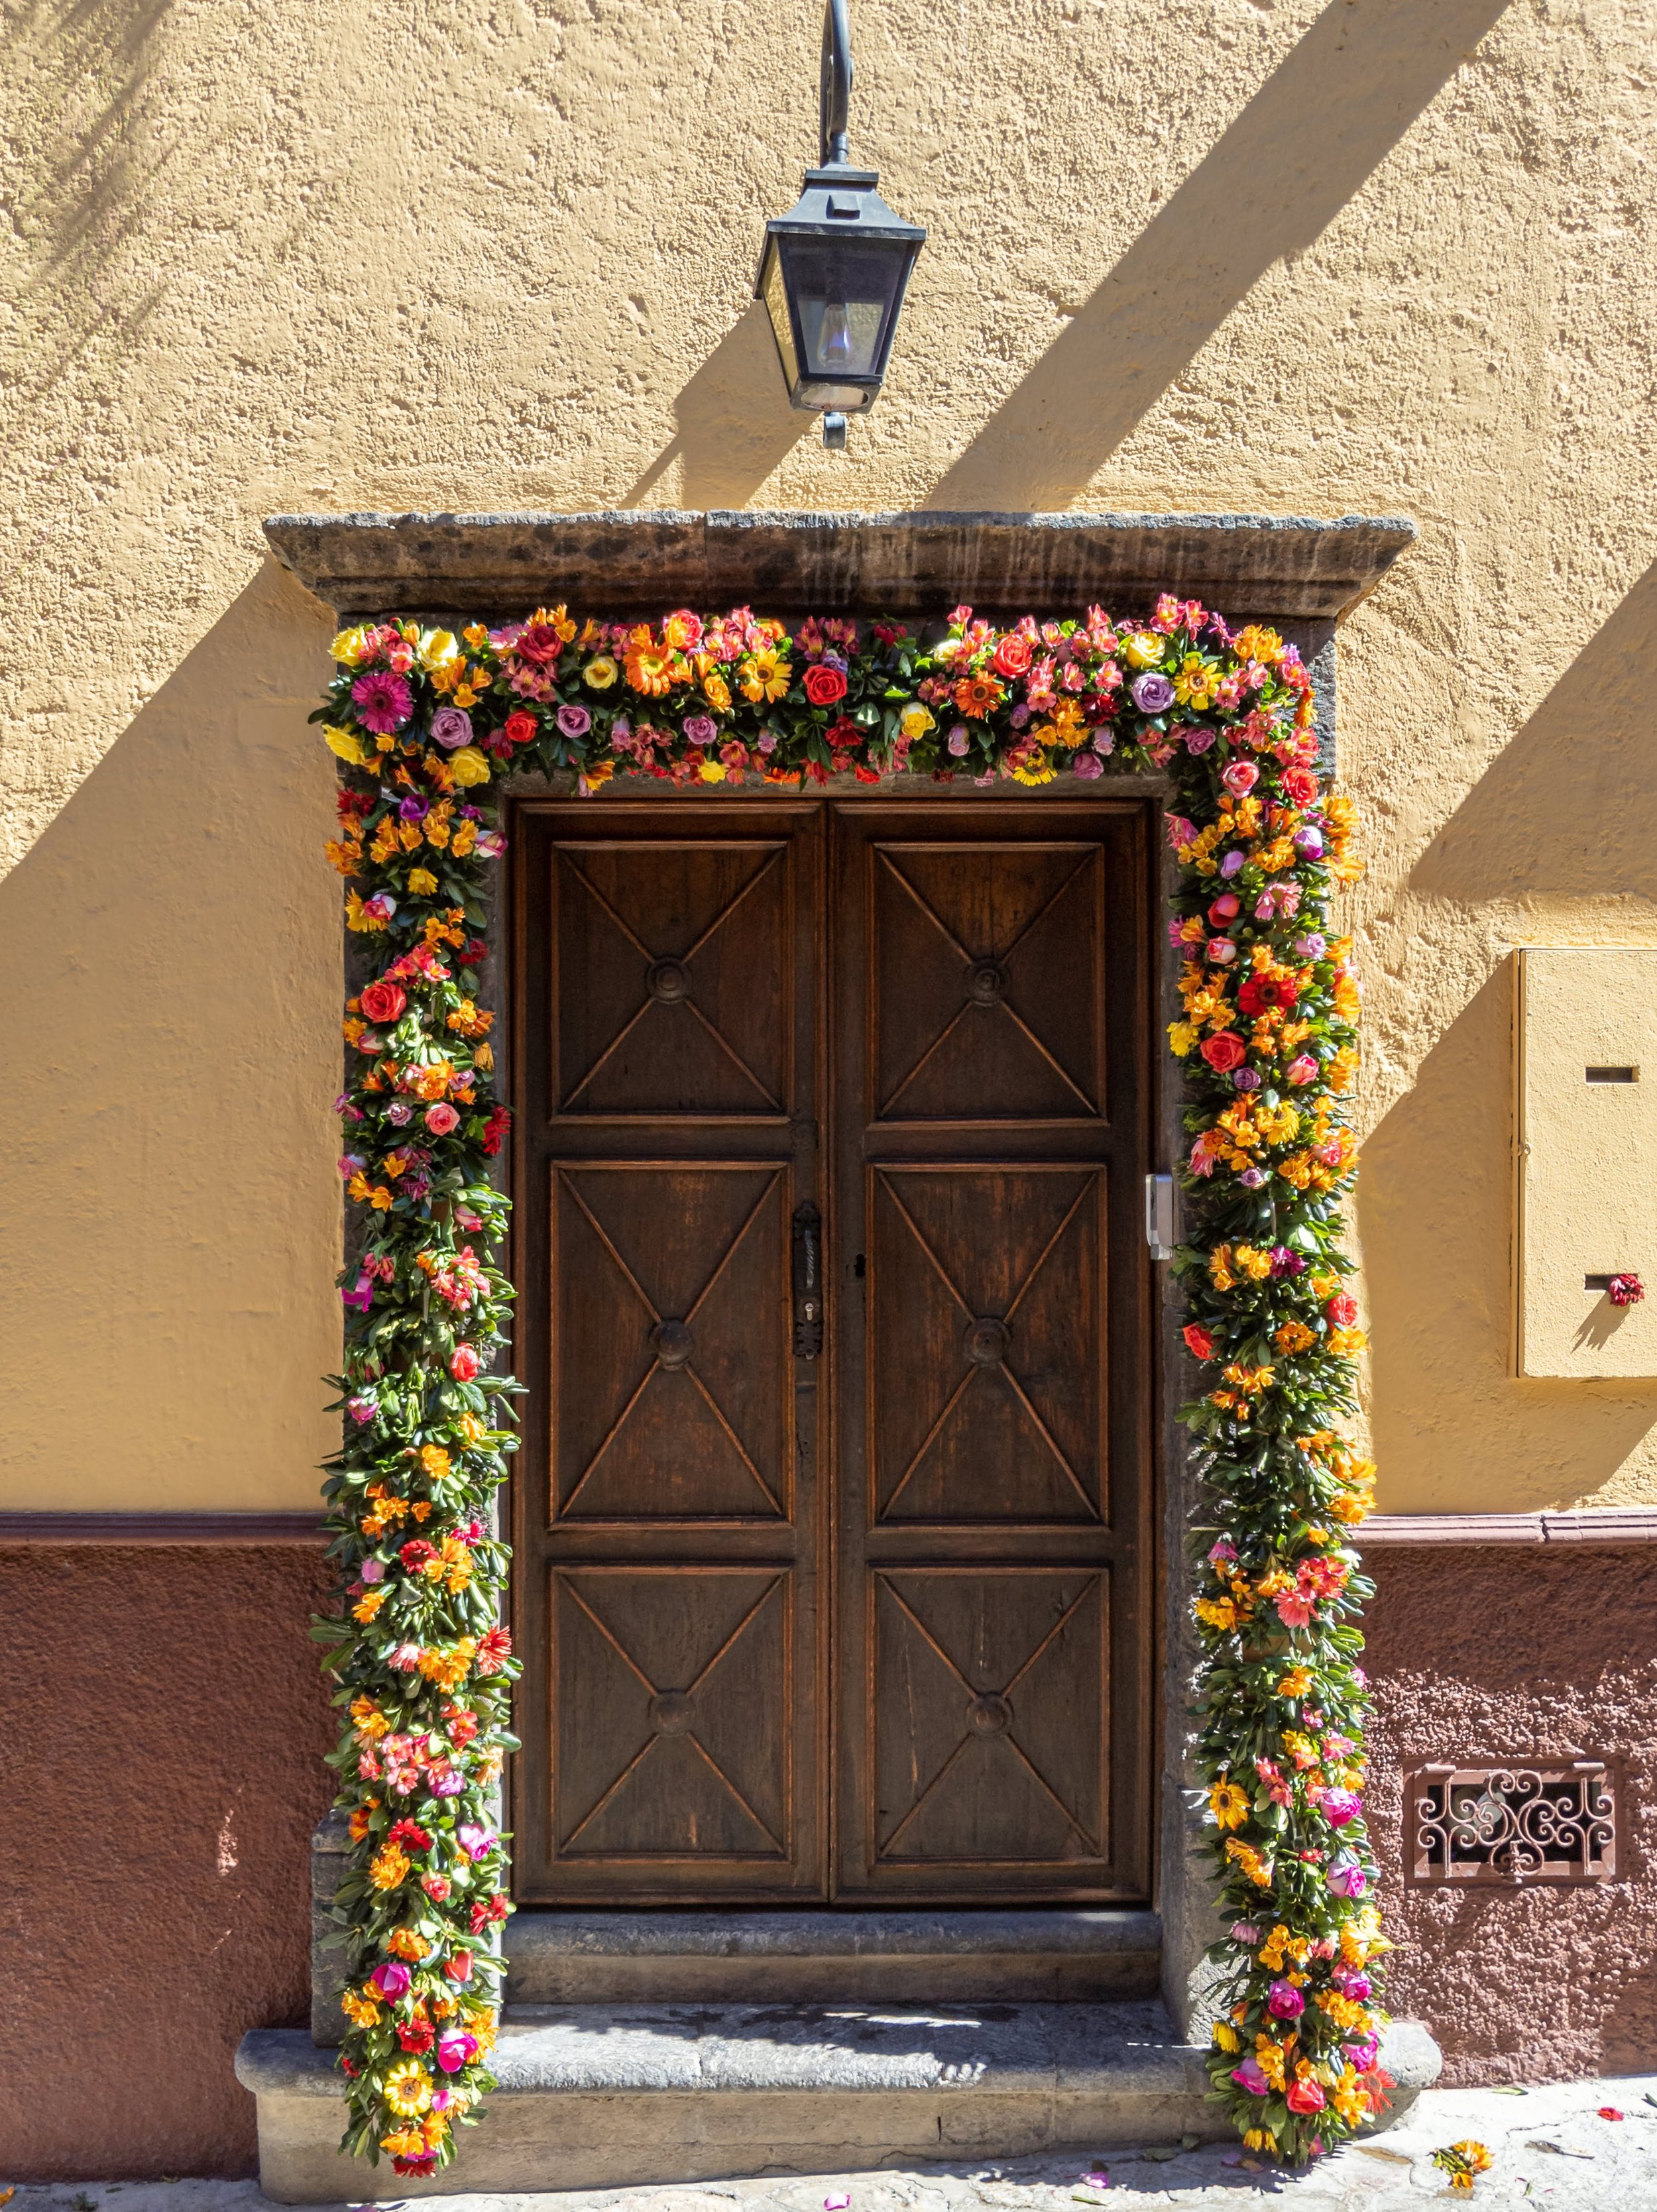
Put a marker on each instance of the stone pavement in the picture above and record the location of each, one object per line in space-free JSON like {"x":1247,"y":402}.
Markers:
{"x":1552,"y":2149}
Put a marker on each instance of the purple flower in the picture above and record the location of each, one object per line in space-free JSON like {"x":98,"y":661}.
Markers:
{"x":383,"y":701}
{"x":373,"y":1571}
{"x":959,"y":739}
{"x":1104,"y":741}
{"x":574,"y":721}
{"x":490,"y":846}
{"x":399,"y":1114}
{"x":1249,"y":2076}
{"x":413,"y":808}
{"x":362,"y":1410}
{"x":449,"y":1782}
{"x":1019,"y":716}
{"x":391,"y":1978}
{"x":1312,"y":947}
{"x":1351,"y":1983}
{"x":700,"y":730}
{"x":1251,"y":1178}
{"x":1152,"y":694}
{"x":1364,"y":2053}
{"x":1198,"y":740}
{"x":477,"y":1843}
{"x":768,"y":741}
{"x":1232,"y":864}
{"x":1340,"y":1806}
{"x":1284,"y":2001}
{"x":451,"y":727}
{"x":1309,"y":843}
{"x":1346,"y":1876}
{"x":1088,"y":767}
{"x":360,"y":1297}
{"x":1244,"y":1931}
{"x":1245,"y":1079}
{"x":1285,"y":1262}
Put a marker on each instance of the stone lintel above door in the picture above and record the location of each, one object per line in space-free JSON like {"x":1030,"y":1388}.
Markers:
{"x":920,"y":562}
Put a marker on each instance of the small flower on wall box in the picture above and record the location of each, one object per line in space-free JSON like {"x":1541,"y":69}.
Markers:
{"x":422,"y":725}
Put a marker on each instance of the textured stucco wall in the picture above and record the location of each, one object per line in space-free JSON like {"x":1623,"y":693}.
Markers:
{"x":1522,"y":1654}
{"x":1386,"y":255}
{"x":155,"y":1814}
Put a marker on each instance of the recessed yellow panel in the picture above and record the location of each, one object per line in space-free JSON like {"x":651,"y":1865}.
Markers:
{"x":1585,"y":1027}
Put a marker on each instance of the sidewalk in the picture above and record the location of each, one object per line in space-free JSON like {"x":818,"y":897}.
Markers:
{"x":1549,"y":2144}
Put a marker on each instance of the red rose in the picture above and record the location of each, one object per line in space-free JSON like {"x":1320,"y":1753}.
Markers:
{"x":1342,"y":1311}
{"x":1260,"y":992}
{"x":463,"y":1363}
{"x":1012,"y":656}
{"x":383,"y":1002}
{"x":1299,"y":786}
{"x":1199,"y":1340}
{"x":1223,"y":1052}
{"x":494,"y":1650}
{"x":1306,"y":2096}
{"x":519,"y":727}
{"x":824,"y":684}
{"x":459,"y":1968}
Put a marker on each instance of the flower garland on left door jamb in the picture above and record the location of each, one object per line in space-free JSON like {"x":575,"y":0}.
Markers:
{"x":424,"y":725}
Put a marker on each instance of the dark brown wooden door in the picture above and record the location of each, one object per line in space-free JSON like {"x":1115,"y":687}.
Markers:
{"x":875,"y":1623}
{"x":993,"y":1491}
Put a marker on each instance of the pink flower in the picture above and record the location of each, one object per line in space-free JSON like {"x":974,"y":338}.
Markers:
{"x":700,"y":730}
{"x":574,"y":722}
{"x":1198,"y":741}
{"x":1180,"y":831}
{"x":490,"y":846}
{"x":455,"y":2049}
{"x":360,"y":1297}
{"x":1302,"y":1069}
{"x":383,"y":701}
{"x":391,"y":1978}
{"x":1239,"y":777}
{"x":1087,"y":766}
{"x":451,"y":727}
{"x":443,"y":1117}
{"x":362,"y":1410}
{"x":1245,"y":1931}
{"x":1284,"y":2001}
{"x":1346,"y":1877}
{"x":1294,"y":1609}
{"x":1248,"y":2076}
{"x":463,"y":1363}
{"x":1221,"y":950}
{"x":1305,"y":2095}
{"x":477,"y":1843}
{"x":379,"y":908}
{"x":1340,"y":1806}
{"x":373,"y":1571}
{"x":406,"y":1659}
{"x":1221,"y":1548}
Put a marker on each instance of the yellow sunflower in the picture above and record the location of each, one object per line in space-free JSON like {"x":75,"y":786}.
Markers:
{"x":407,"y":2089}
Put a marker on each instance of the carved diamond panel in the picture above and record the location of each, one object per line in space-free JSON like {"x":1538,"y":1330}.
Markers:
{"x":988,"y":991}
{"x":671,"y":1395}
{"x":987,"y":1343}
{"x":671,"y":1701}
{"x":989,"y":1715}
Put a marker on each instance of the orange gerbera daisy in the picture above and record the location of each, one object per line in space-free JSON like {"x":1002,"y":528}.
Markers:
{"x":649,"y":664}
{"x":977,"y":694}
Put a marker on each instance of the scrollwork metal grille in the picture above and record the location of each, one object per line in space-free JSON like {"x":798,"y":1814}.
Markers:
{"x":1512,"y":1823}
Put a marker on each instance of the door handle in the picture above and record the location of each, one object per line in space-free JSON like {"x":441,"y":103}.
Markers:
{"x":807,"y":1282}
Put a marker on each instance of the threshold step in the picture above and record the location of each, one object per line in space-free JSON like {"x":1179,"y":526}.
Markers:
{"x":596,"y":2096}
{"x":1041,"y":1955}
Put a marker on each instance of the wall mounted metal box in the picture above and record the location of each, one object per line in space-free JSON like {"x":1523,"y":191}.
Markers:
{"x":1586,"y":1030}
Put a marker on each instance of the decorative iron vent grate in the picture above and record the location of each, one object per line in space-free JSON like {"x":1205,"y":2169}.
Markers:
{"x":1512,"y":1823}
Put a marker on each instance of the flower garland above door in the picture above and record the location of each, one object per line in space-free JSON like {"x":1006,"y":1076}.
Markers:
{"x":425,"y":725}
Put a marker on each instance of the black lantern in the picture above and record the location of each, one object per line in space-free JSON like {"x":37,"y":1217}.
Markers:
{"x":835,"y":267}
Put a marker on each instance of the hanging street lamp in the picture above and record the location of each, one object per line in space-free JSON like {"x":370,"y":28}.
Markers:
{"x":835,"y":267}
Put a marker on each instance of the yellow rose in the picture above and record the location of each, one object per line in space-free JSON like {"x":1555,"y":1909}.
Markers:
{"x":712,"y":771}
{"x":601,"y":673}
{"x":346,"y":744}
{"x":468,"y":767}
{"x":915,"y":721}
{"x":348,"y":645}
{"x":1144,"y":648}
{"x":437,"y":649}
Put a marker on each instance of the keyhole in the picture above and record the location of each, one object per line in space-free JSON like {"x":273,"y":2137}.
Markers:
{"x":860,"y":1268}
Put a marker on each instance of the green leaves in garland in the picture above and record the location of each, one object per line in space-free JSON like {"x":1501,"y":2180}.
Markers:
{"x":426,"y":725}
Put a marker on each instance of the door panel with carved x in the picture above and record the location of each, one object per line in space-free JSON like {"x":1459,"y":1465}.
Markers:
{"x":841,"y":1600}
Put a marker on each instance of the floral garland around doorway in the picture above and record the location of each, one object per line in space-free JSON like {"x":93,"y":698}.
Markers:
{"x":425,"y":724}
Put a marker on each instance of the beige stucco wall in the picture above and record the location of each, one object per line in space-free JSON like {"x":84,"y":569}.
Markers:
{"x":1380,"y":255}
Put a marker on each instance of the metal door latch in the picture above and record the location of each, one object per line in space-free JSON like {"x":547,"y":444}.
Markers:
{"x":1158,"y":1215}
{"x":807,"y":1282}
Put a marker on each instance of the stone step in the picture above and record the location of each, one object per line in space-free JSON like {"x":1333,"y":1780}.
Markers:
{"x":1043,"y":1955}
{"x":596,"y":2096}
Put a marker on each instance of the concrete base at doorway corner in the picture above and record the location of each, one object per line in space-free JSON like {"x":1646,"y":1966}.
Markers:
{"x":596,"y":2096}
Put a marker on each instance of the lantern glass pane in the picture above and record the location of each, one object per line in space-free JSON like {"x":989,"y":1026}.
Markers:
{"x":775,"y":293}
{"x":844,"y":294}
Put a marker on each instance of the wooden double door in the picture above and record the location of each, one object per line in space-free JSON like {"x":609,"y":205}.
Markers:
{"x":834,"y":1512}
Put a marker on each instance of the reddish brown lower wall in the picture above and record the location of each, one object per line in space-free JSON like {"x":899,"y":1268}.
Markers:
{"x":1486,"y":1654}
{"x":160,"y":1775}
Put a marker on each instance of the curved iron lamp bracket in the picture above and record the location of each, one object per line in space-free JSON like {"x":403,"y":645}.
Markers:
{"x":834,"y":109}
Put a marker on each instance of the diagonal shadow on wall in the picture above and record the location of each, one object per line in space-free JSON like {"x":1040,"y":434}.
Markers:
{"x":734,"y":421}
{"x":1569,"y":806}
{"x":1268,"y":187}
